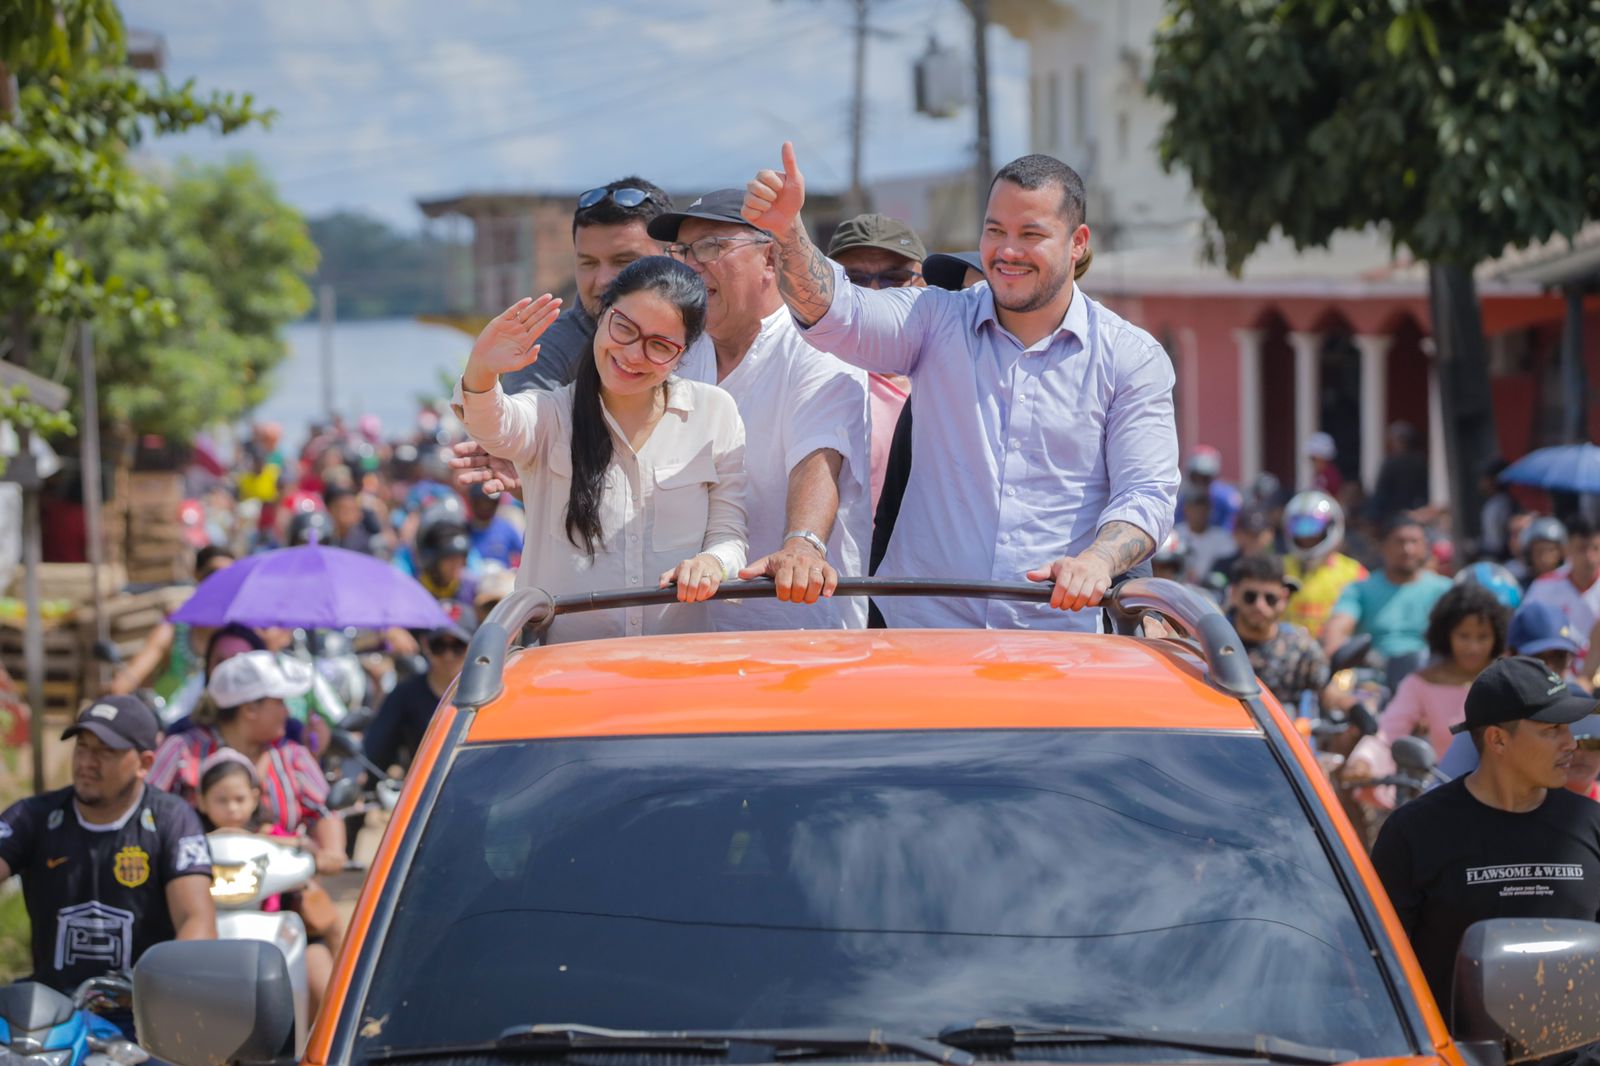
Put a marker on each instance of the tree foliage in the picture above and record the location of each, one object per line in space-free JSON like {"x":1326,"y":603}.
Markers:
{"x":1462,"y":126}
{"x":377,"y":272}
{"x":229,"y":259}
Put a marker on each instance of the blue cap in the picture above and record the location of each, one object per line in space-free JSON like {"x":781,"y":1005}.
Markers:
{"x":1538,"y":627}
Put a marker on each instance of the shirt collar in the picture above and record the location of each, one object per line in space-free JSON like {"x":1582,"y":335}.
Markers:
{"x":1075,"y":321}
{"x":680,"y":396}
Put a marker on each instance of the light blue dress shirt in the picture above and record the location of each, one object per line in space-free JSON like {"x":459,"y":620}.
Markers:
{"x":1020,"y":455}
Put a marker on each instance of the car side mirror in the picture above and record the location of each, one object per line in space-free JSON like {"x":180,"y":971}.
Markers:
{"x":1528,"y":986}
{"x":1413,"y":755}
{"x":203,"y":1002}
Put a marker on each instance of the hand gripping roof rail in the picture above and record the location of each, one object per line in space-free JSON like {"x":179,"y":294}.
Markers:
{"x":528,"y":612}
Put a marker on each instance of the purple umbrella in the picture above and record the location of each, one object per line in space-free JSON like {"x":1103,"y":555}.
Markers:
{"x":312,"y":587}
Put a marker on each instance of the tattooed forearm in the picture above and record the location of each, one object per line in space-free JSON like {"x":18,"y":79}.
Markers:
{"x":805,"y":277}
{"x":1121,"y":544}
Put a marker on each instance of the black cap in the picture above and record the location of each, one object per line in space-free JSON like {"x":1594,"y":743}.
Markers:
{"x":121,"y":722}
{"x":1521,"y":688}
{"x":724,"y":205}
{"x":947,"y":270}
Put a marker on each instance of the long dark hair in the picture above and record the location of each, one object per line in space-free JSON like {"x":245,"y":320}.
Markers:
{"x":681,"y":287}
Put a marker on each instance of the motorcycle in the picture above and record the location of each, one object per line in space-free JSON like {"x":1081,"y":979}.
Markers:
{"x":246,"y":870}
{"x":41,"y":1027}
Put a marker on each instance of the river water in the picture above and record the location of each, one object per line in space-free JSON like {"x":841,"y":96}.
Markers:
{"x":382,"y":367}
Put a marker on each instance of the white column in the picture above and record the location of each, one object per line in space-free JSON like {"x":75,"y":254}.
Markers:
{"x":1374,"y":403}
{"x":1438,"y":468}
{"x":1249,"y":342}
{"x":1307,"y":386}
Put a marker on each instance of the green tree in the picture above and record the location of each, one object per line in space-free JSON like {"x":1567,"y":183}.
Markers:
{"x":65,"y":135}
{"x":377,"y":272}
{"x":231,"y":259}
{"x":1463,"y":127}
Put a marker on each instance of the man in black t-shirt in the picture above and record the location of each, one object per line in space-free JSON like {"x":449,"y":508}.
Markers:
{"x":109,"y":866}
{"x":1505,"y":841}
{"x":396,"y":732}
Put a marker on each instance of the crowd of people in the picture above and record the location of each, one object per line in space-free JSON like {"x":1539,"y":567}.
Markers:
{"x":723,"y":399}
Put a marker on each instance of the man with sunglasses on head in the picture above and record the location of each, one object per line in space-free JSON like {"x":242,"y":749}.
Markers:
{"x":806,"y":450}
{"x":608,"y":232}
{"x":1286,"y":658}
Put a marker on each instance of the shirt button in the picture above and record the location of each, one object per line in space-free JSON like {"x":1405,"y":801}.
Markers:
{"x":1016,"y":445}
{"x":634,"y":580}
{"x":634,"y":537}
{"x":1010,"y":491}
{"x":1005,"y":538}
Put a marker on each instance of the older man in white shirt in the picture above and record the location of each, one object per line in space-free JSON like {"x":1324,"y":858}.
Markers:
{"x":806,"y":418}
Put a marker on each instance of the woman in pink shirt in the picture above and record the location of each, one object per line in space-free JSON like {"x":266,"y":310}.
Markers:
{"x":1466,"y":632}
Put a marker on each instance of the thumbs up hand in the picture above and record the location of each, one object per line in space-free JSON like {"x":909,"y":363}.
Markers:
{"x":772,"y":201}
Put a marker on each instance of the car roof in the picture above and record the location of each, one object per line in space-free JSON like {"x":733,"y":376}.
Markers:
{"x":836,"y":680}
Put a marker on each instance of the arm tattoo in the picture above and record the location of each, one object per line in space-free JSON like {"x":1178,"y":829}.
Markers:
{"x":1122,"y":544}
{"x":805,"y":277}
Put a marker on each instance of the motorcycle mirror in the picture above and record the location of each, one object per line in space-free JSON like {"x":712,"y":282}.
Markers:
{"x":1351,"y":653}
{"x":343,"y":794}
{"x":106,"y":651}
{"x":344,"y":743}
{"x":1413,"y":755}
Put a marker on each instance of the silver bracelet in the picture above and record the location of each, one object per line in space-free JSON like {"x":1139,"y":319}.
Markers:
{"x":810,"y":538}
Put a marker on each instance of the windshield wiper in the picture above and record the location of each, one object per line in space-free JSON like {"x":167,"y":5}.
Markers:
{"x":986,"y":1035}
{"x":556,"y":1039}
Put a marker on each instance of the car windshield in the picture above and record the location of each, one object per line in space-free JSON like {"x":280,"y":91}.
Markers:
{"x":904,"y":880}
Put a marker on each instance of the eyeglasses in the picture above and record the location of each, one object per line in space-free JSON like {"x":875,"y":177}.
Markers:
{"x":658,"y":349}
{"x":1271,"y":599}
{"x":446,"y":646}
{"x":710,"y":249}
{"x":623,"y":197}
{"x":898,"y":278}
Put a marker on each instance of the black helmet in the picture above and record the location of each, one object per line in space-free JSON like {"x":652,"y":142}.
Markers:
{"x":441,"y":534}
{"x":310,"y":527}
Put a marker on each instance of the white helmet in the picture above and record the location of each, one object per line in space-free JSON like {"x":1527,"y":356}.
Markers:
{"x":1313,"y":515}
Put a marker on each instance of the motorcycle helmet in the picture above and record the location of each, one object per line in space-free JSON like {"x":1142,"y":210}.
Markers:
{"x":1313,"y":524}
{"x":1173,"y":554}
{"x":1544,"y":528}
{"x":1266,"y":490}
{"x":310,"y":527}
{"x":442,"y":533}
{"x":1497,"y":579}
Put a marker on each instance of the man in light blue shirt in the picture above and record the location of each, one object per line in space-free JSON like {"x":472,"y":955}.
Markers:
{"x":1045,"y":440}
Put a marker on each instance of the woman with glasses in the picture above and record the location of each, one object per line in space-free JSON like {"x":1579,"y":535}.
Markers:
{"x":632,"y":477}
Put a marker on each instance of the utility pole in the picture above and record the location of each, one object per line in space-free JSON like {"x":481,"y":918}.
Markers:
{"x":93,"y":504}
{"x":982,"y":163}
{"x":326,"y":304}
{"x":858,"y":107}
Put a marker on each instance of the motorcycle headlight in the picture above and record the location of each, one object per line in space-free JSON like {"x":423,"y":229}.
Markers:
{"x":58,"y":1057}
{"x":234,"y":883}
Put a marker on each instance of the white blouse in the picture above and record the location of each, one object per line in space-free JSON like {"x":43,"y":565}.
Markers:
{"x":681,"y":494}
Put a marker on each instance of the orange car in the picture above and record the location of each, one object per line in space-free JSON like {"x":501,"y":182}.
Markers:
{"x":881,"y":845}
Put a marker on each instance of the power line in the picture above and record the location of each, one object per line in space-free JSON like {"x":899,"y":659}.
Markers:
{"x":433,"y":147}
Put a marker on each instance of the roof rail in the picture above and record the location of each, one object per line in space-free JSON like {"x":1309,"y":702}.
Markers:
{"x":526,"y":615}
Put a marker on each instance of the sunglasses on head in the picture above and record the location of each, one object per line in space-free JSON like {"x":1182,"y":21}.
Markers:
{"x":623,"y":197}
{"x":1271,"y":599}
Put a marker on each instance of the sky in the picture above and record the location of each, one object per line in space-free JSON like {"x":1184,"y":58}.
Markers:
{"x":383,"y":102}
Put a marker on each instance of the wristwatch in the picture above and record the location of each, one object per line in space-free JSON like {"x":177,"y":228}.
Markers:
{"x":810,"y":538}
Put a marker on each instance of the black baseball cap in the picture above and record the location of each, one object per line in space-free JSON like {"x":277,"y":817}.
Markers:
{"x":947,"y":270}
{"x":724,"y":205}
{"x":120,"y":722}
{"x":1521,"y":688}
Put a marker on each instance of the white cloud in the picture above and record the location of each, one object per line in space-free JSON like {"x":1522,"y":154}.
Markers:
{"x":385,"y":101}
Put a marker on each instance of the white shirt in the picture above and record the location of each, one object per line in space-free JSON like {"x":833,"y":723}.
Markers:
{"x":1580,"y":609}
{"x":1205,"y":548}
{"x":681,"y":494}
{"x":798,"y":400}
